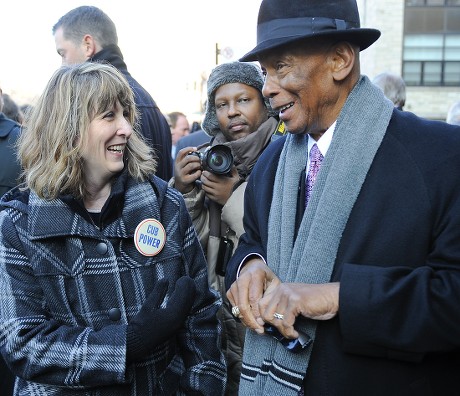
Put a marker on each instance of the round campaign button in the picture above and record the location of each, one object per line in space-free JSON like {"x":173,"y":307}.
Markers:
{"x":149,"y":237}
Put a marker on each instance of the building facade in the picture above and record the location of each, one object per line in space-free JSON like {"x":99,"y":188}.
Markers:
{"x":421,"y":42}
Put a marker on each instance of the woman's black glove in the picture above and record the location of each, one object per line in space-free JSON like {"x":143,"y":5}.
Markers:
{"x":154,"y":325}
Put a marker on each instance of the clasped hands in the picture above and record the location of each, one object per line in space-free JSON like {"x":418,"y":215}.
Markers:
{"x":262,"y":298}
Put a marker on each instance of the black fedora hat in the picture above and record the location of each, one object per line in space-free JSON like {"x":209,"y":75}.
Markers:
{"x":284,"y":21}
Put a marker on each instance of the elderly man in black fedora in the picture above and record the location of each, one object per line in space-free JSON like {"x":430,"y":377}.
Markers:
{"x":348,"y":274}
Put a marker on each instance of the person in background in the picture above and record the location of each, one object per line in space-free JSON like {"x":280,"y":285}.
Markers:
{"x":102,"y":277}
{"x":348,"y":273}
{"x":393,"y":87}
{"x":180,"y":127}
{"x":10,"y":168}
{"x":196,"y":126}
{"x":453,"y":115}
{"x":12,"y":110}
{"x":86,"y":33}
{"x":237,"y":117}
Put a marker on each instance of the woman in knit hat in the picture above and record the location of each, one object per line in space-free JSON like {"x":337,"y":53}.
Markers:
{"x":238,"y":117}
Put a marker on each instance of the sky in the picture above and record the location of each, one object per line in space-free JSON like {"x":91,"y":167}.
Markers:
{"x":168,"y":45}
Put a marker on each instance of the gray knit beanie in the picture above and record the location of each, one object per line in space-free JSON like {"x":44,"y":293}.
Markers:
{"x":227,"y":73}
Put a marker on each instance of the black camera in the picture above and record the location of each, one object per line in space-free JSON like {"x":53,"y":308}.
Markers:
{"x":217,"y":159}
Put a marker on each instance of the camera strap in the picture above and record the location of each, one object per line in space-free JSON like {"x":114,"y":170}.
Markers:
{"x":215,"y":213}
{"x":225,"y":246}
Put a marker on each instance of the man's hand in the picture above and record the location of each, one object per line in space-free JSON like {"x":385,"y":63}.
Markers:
{"x":219,"y":188}
{"x":245,"y":293}
{"x":314,"y":301}
{"x":187,"y":169}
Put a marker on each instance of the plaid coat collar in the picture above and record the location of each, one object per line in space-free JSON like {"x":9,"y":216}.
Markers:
{"x":47,"y":219}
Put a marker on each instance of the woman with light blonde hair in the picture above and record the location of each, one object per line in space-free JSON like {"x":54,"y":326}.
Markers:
{"x":51,"y":149}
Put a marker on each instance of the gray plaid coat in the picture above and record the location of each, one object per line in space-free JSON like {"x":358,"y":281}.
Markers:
{"x":68,"y":290}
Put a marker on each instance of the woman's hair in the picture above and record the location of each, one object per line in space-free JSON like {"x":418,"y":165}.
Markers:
{"x":55,"y":131}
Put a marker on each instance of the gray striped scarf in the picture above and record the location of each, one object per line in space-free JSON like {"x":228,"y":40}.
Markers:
{"x":268,"y":368}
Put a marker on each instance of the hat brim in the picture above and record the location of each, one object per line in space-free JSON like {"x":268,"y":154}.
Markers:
{"x":363,"y":37}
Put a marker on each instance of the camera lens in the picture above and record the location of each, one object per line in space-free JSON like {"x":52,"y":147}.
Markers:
{"x":216,"y":160}
{"x":219,"y":159}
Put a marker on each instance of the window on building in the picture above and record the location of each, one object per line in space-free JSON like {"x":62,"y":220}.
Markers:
{"x":431,"y":54}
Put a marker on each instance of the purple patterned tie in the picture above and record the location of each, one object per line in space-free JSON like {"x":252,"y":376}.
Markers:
{"x":315,"y":163}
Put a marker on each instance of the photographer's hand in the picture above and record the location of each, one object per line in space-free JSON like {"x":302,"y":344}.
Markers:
{"x":219,"y":188}
{"x":187,"y":169}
